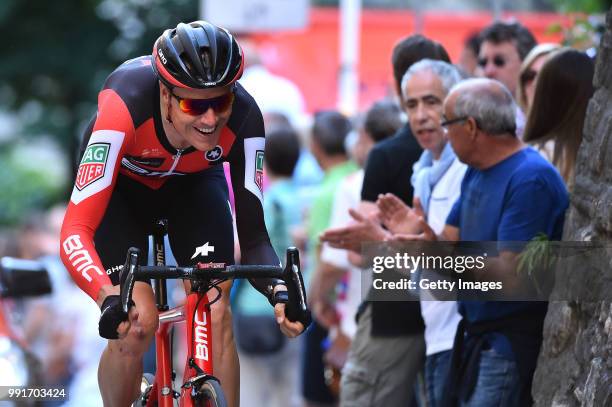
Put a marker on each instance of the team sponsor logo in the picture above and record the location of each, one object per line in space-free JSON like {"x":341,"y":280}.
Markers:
{"x":214,"y":154}
{"x":154,"y":162}
{"x":253,"y":165}
{"x":203,"y":250}
{"x":211,"y":265}
{"x":97,"y":165}
{"x":161,"y":56}
{"x":79,"y":257}
{"x":92,"y":165}
{"x":201,"y":337}
{"x":114,"y":269}
{"x":259,"y":160}
{"x":145,"y":172}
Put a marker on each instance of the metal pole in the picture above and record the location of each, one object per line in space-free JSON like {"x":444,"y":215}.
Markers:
{"x":497,"y":8}
{"x":350,"y":34}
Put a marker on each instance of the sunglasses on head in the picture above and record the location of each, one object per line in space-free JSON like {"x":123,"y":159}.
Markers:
{"x":498,"y":60}
{"x":196,"y":107}
{"x":528,"y":76}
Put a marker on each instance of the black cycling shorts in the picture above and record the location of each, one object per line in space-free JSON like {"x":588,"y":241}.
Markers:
{"x":197,"y":209}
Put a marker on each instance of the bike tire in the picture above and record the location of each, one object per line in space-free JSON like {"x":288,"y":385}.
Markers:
{"x":210,"y":394}
{"x":149,"y":378}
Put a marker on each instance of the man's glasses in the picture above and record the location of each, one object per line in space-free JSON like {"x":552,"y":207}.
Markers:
{"x":498,"y":60}
{"x":197,"y":107}
{"x":447,"y":122}
{"x":528,"y":76}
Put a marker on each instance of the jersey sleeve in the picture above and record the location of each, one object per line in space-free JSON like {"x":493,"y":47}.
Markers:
{"x":246,"y":168}
{"x":95,"y":180}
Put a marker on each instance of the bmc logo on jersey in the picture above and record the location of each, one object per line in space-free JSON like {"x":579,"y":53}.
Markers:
{"x":92,"y":165}
{"x":259,"y":165}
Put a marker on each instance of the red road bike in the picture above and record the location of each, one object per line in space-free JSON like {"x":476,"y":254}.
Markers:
{"x":200,"y":387}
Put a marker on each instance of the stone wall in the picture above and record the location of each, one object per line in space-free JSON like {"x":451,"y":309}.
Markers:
{"x":575,"y":364}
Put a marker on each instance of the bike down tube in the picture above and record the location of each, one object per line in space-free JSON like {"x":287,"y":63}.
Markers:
{"x":162,"y":392}
{"x":198,"y":325}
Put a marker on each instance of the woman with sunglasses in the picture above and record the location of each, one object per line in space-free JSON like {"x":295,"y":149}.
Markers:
{"x":528,"y":75}
{"x":165,"y":122}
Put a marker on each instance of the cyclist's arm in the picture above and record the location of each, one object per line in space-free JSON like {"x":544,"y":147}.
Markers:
{"x":246,"y":166}
{"x":91,"y":193}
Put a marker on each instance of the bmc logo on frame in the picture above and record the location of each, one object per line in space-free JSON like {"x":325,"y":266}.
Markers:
{"x":201,"y":337}
{"x":92,"y":165}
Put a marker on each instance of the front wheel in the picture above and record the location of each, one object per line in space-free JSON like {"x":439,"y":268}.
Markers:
{"x":146,"y":385}
{"x":209,"y":394}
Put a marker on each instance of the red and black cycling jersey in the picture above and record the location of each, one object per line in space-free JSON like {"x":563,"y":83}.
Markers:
{"x":126,"y":138}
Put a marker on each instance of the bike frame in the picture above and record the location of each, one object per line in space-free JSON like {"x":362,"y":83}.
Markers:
{"x":199,"y":342}
{"x":197,"y":317}
{"x":196,"y":311}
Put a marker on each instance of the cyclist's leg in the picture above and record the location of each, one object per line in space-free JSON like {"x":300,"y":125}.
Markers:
{"x":200,"y":230}
{"x":120,"y":370}
{"x":124,"y":225}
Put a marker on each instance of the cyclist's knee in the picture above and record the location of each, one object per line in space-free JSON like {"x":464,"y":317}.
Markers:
{"x":139,"y":337}
{"x":148,"y":321}
{"x":221,"y":309}
{"x":142,"y":330}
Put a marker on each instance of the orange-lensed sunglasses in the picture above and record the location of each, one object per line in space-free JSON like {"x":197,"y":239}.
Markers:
{"x":196,"y":107}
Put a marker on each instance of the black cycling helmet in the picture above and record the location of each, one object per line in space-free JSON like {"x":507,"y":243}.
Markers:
{"x":198,"y":55}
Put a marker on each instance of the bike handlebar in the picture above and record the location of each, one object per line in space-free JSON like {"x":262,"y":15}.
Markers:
{"x":296,"y":309}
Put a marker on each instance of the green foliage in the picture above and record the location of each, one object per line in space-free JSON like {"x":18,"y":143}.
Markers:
{"x":29,"y":181}
{"x":58,"y":53}
{"x":56,"y":56}
{"x":581,"y":6}
{"x":583,"y":33}
{"x":536,"y":260}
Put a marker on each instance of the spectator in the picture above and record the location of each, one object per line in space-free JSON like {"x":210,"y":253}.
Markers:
{"x":269,"y":363}
{"x":273,"y":93}
{"x":531,"y":66}
{"x":278,"y":96}
{"x":56,"y":325}
{"x":436,"y":180}
{"x":504,"y":47}
{"x":468,"y":60}
{"x":566,"y":78}
{"x":509,"y":193}
{"x":335,"y":291}
{"x":373,"y":373}
{"x":327,"y":145}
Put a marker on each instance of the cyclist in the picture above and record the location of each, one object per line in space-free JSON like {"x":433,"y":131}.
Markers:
{"x":165,"y":122}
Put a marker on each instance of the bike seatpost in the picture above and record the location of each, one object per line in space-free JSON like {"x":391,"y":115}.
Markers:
{"x":159,"y":259}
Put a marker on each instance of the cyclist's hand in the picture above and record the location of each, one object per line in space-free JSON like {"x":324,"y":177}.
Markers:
{"x":125,"y":326}
{"x":290,"y":329}
{"x":114,"y":323}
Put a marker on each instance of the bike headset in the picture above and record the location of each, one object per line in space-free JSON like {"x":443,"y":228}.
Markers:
{"x":198,"y":55}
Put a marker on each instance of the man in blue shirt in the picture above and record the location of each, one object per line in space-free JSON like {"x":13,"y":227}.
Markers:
{"x":509,"y":193}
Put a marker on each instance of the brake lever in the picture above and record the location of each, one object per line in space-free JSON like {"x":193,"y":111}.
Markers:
{"x":127,"y":278}
{"x":296,"y":306}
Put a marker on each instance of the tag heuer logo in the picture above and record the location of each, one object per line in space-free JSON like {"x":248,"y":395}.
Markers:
{"x":214,"y":154}
{"x":259,"y":164}
{"x":92,"y":165}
